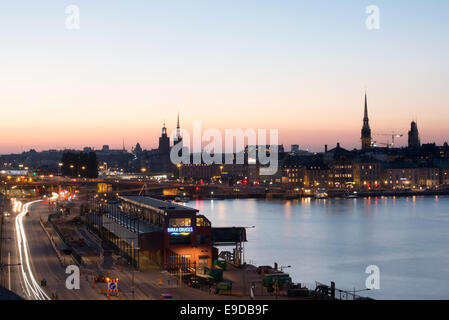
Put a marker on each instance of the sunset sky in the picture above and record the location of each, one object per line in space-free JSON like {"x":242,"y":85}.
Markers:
{"x":297,"y":66}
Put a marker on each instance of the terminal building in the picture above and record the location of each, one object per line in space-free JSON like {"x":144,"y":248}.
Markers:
{"x":154,"y":233}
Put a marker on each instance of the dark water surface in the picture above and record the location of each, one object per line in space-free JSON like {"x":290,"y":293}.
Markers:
{"x":336,"y":239}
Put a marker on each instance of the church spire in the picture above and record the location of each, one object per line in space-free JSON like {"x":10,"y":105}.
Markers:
{"x":366,"y":109}
{"x":366,"y":130}
{"x":178,"y":137}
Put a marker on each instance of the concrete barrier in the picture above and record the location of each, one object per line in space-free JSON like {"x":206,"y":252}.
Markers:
{"x":58,"y":254}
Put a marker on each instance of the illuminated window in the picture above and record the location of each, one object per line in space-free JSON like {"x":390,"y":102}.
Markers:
{"x":180,"y":222}
{"x":201,"y":222}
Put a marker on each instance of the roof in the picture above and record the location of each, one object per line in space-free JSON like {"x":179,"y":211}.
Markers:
{"x":156,"y":204}
{"x":5,"y":294}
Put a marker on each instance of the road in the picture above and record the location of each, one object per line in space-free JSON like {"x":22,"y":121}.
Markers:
{"x":27,"y":244}
{"x":30,"y":246}
{"x":45,"y":263}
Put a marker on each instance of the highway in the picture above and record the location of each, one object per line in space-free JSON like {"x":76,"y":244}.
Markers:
{"x":44,"y":261}
{"x":32,"y":258}
{"x":31,"y":286}
{"x":30,"y":246}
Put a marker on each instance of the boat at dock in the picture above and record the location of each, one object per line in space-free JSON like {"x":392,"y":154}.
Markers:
{"x":182,"y":199}
{"x":350,"y":195}
{"x":320,"y":194}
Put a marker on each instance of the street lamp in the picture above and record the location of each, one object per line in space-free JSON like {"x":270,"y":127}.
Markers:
{"x":243,"y":245}
{"x":360,"y":290}
{"x":285,"y":267}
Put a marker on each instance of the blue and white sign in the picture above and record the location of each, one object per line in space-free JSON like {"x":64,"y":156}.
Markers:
{"x":179,"y":229}
{"x":112,"y":285}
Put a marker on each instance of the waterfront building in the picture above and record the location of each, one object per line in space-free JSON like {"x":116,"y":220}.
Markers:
{"x":367,"y":174}
{"x":341,"y":167}
{"x":151,"y":232}
{"x":411,"y":175}
{"x":317,"y":174}
{"x":293,"y":172}
{"x":196,"y":172}
{"x":400,"y":175}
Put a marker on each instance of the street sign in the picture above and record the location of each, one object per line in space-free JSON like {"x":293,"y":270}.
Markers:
{"x":112,"y":285}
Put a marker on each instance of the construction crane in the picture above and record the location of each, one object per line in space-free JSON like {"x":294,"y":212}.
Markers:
{"x":392,"y":135}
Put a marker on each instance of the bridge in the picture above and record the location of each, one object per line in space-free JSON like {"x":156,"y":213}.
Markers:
{"x":142,"y":186}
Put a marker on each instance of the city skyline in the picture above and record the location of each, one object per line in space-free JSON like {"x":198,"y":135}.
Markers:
{"x":378,"y":140}
{"x":129,"y":69}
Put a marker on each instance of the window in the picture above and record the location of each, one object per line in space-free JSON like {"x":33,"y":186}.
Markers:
{"x":201,"y":222}
{"x":180,"y":239}
{"x":180,"y":222}
{"x":203,"y":239}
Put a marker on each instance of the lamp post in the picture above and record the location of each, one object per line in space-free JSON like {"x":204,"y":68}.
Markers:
{"x":277,"y":280}
{"x":360,"y":290}
{"x":179,"y":165}
{"x":243,"y":245}
{"x":285,"y":267}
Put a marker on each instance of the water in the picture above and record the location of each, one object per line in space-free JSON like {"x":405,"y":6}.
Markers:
{"x":336,"y":239}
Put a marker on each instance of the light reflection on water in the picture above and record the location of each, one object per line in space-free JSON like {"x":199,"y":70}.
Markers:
{"x":336,"y":239}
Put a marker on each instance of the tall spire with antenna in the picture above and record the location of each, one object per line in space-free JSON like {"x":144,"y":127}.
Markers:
{"x":178,"y":131}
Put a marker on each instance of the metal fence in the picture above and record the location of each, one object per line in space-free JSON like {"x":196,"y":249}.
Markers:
{"x":338,"y":293}
{"x":180,"y":266}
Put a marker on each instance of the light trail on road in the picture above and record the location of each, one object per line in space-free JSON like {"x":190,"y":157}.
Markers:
{"x":32,"y":287}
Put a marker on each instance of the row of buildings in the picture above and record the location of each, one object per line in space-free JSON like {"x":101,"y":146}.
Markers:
{"x":338,"y":168}
{"x":371,"y":167}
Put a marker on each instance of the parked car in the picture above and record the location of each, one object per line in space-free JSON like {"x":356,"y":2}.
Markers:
{"x":167,"y":296}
